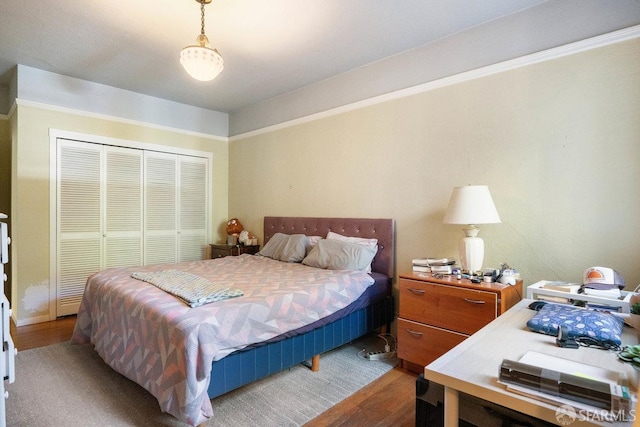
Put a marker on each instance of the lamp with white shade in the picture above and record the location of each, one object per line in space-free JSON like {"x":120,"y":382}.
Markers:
{"x":471,"y":205}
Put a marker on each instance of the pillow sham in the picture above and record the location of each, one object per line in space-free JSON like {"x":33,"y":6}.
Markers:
{"x":358,"y":240}
{"x":312,"y":241}
{"x":340,"y":255}
{"x":285,"y":247}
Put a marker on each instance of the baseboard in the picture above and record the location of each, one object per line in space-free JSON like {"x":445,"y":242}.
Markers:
{"x":30,"y":320}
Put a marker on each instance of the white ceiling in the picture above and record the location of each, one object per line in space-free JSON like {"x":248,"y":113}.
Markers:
{"x":270,"y":47}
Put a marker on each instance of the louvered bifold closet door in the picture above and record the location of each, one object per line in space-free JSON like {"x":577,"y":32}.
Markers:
{"x":192,"y":205}
{"x":160,"y":207}
{"x":123,"y":207}
{"x":79,"y":221}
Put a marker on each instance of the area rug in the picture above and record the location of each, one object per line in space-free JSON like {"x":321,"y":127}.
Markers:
{"x":70,"y":385}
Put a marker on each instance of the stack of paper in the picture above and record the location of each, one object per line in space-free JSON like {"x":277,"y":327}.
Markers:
{"x":420,"y":264}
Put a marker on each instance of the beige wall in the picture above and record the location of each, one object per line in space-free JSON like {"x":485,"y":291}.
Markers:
{"x":556,"y":142}
{"x":30,"y":193}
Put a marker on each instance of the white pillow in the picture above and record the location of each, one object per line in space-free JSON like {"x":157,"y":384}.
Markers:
{"x":312,"y":241}
{"x":357,"y":240}
{"x":339,"y":255}
{"x":285,"y":247}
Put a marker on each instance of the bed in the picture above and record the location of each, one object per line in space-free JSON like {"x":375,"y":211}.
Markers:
{"x":186,"y":356}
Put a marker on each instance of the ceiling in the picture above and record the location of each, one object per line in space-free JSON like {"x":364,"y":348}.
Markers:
{"x":270,"y":47}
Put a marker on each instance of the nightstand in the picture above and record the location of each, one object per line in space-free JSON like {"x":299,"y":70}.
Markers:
{"x":220,"y":251}
{"x":437,"y":314}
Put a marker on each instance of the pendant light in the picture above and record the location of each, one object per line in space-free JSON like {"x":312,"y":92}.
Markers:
{"x":199,"y":60}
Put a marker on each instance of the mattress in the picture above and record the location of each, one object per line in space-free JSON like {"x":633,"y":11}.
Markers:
{"x":167,"y":347}
{"x":378,"y":291}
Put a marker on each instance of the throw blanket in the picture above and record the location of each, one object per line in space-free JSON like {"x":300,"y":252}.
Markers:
{"x":156,"y":340}
{"x":193,"y":290}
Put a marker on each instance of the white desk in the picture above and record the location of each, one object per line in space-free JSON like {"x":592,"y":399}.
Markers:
{"x":472,"y":366}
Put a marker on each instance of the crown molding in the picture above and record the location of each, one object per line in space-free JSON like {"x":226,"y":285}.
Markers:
{"x":66,"y":110}
{"x":523,"y":61}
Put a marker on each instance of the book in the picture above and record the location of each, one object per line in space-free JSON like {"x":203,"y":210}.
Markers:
{"x":562,"y":287}
{"x":426,"y":262}
{"x":441,"y":261}
{"x":421,"y":269}
{"x":442,"y":269}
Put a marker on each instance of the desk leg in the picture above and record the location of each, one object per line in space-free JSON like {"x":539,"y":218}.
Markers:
{"x":450,"y":407}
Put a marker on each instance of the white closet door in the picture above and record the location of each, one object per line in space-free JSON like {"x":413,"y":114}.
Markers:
{"x":79,"y":221}
{"x":160,"y":208}
{"x":123,"y":207}
{"x":120,"y":207}
{"x":193,"y":202}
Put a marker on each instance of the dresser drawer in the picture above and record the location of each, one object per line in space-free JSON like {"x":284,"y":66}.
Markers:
{"x":422,"y":344}
{"x":449,"y":307}
{"x":221,"y":252}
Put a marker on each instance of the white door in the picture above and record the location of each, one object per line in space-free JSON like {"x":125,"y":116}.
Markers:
{"x":120,"y":207}
{"x":192,"y":205}
{"x":79,"y":221}
{"x":99,"y":214}
{"x":160,"y":208}
{"x":175,"y":207}
{"x":122,"y":227}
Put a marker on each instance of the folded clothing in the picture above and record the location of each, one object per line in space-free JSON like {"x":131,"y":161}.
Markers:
{"x":595,"y":327}
{"x":193,"y":290}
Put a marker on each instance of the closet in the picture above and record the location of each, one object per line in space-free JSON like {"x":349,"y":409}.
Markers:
{"x":120,"y":206}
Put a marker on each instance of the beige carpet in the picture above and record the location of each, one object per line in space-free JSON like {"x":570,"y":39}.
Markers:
{"x":69,"y":385}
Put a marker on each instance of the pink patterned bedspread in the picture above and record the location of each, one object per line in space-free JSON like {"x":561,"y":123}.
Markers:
{"x":156,"y":340}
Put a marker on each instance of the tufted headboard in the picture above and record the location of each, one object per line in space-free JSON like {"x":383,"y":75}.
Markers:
{"x":381,"y":229}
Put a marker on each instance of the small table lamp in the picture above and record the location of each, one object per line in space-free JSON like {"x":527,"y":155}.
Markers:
{"x":470,"y":205}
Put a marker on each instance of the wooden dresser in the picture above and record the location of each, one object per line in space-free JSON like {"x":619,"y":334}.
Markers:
{"x":438,"y":314}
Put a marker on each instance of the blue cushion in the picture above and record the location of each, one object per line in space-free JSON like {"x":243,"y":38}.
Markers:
{"x":601,"y":326}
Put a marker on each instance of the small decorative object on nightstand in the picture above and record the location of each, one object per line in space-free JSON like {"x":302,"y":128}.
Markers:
{"x":220,"y":251}
{"x":436,"y":314}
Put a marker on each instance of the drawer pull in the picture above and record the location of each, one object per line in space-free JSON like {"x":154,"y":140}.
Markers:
{"x":414,"y":333}
{"x":416,"y":291}
{"x":474,"y":301}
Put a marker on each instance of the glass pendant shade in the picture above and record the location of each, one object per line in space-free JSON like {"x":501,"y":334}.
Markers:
{"x":200,"y":61}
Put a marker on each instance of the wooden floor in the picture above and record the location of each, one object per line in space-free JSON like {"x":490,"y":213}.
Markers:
{"x":388,"y":401}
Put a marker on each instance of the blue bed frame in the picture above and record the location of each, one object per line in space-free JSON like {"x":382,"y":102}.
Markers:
{"x":244,"y":367}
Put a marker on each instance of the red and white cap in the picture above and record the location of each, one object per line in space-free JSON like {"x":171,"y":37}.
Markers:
{"x":602,"y":278}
